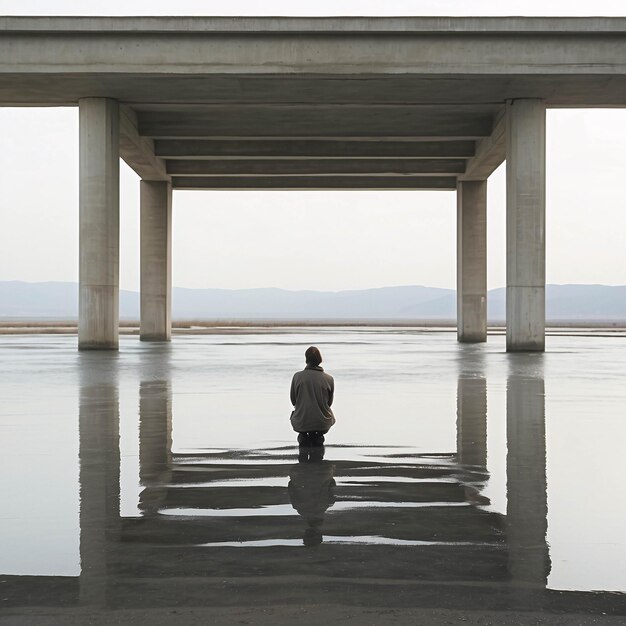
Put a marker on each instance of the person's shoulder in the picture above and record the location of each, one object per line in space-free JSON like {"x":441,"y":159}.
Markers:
{"x":328,"y":377}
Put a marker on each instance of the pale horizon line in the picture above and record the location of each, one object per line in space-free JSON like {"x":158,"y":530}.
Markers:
{"x":301,"y":289}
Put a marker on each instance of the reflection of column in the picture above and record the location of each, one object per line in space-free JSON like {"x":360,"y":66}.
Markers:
{"x":527,"y":509}
{"x":471,"y":421}
{"x":99,"y":455}
{"x":155,"y":442}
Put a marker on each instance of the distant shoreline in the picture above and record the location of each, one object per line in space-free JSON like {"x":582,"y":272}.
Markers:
{"x":201,"y":327}
{"x":56,"y":304}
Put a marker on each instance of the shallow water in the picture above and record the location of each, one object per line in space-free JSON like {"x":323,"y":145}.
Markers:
{"x":168,"y":474}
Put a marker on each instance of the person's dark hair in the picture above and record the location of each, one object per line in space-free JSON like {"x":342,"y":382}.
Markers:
{"x":313,"y":356}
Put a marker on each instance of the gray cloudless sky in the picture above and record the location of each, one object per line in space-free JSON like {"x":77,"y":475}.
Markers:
{"x":311,"y":7}
{"x":313,"y":240}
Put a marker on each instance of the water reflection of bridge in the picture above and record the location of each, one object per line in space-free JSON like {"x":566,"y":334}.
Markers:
{"x":384,"y":527}
{"x":403,"y":518}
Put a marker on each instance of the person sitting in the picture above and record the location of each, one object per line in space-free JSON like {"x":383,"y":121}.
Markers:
{"x":312,"y":391}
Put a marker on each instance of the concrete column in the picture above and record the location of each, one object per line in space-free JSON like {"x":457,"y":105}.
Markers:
{"x":156,"y":261}
{"x":98,"y":312}
{"x":527,"y":509}
{"x":471,"y":259}
{"x":525,"y":225}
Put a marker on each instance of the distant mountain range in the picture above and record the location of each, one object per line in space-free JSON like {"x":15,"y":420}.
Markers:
{"x":56,"y":300}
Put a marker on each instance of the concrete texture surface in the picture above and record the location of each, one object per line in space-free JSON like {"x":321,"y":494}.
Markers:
{"x":99,"y":224}
{"x":471,"y":254}
{"x":526,"y":224}
{"x":316,"y":87}
{"x":156,"y":260}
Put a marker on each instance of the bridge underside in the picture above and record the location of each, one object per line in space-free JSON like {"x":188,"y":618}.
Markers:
{"x":298,"y":103}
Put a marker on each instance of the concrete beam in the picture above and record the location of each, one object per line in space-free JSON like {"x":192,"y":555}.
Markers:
{"x":490,"y":153}
{"x":137,"y":151}
{"x":327,"y":25}
{"x":350,"y":121}
{"x":156,"y":260}
{"x":56,"y":88}
{"x":311,"y":149}
{"x":525,"y":225}
{"x":567,"y":61}
{"x":99,"y":237}
{"x":438,"y":46}
{"x":277,"y":167}
{"x":472,"y":261}
{"x":314,"y":182}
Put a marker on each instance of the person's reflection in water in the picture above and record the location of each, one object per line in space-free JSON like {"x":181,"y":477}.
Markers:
{"x":311,"y":491}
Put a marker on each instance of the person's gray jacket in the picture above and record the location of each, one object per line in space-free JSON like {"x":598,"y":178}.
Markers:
{"x":312,"y":392}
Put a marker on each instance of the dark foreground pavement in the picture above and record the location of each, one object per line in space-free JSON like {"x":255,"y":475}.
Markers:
{"x":324,"y":614}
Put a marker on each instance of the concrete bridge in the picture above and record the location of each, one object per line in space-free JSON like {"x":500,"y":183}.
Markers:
{"x":312,"y":103}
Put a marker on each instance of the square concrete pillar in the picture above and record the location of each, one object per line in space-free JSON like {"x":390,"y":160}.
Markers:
{"x":156,"y":260}
{"x":525,"y":225}
{"x":98,"y":310}
{"x":471,"y":260}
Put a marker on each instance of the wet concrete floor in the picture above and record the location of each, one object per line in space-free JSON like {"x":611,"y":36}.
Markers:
{"x":165,"y":481}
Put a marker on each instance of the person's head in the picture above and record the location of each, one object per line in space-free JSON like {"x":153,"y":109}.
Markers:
{"x":313,"y":356}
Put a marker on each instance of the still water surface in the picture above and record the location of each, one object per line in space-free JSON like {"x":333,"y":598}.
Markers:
{"x":455,"y":465}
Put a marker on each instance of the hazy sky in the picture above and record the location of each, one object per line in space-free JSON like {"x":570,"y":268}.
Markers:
{"x":312,"y":7}
{"x":313,"y":240}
